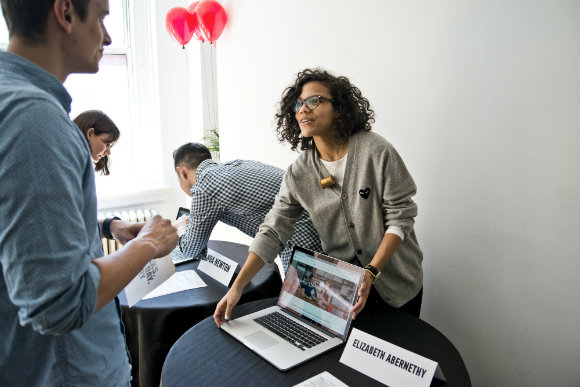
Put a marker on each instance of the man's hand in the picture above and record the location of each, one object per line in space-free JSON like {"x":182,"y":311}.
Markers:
{"x":181,"y":224}
{"x":160,"y":234}
{"x":125,"y":231}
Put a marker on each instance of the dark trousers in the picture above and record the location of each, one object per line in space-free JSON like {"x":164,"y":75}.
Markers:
{"x":374,"y":300}
{"x":412,"y":307}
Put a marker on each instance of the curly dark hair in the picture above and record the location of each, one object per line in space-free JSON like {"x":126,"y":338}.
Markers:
{"x":355,"y":110}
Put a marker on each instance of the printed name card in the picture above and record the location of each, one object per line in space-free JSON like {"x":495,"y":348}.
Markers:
{"x":218,"y":267}
{"x":388,"y":363}
{"x":155,"y":272}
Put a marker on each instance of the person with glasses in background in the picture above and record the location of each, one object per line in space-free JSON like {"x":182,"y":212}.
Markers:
{"x":60,"y":320}
{"x":355,"y":187}
{"x":101,"y":134}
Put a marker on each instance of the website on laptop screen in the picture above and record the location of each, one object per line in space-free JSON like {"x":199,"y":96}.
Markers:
{"x":322,"y":289}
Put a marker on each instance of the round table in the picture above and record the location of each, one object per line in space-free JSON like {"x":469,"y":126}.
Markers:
{"x":153,"y":325}
{"x":207,"y":356}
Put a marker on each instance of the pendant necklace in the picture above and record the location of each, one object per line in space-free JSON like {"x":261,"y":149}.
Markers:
{"x":328,"y":181}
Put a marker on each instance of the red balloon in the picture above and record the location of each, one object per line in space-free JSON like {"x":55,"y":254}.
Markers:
{"x":180,"y":24}
{"x":196,"y":31}
{"x":211,"y":18}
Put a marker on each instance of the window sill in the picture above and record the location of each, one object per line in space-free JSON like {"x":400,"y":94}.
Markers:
{"x":133,"y":199}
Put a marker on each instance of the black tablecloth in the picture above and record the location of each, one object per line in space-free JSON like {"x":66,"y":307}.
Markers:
{"x":153,"y":325}
{"x":208,"y":356}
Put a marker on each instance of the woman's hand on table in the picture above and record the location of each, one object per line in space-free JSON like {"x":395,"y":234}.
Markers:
{"x":224,"y":308}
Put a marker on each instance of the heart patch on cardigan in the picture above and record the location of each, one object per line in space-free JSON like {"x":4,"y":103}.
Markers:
{"x":364,"y":193}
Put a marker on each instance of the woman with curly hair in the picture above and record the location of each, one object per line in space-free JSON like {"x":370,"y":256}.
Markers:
{"x":355,"y":187}
{"x":101,"y":134}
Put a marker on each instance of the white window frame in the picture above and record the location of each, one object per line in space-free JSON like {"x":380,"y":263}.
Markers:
{"x":144,"y":134}
{"x":145,"y":118}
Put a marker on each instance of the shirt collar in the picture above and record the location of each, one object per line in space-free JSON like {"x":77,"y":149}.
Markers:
{"x":36,"y":75}
{"x":205,"y":164}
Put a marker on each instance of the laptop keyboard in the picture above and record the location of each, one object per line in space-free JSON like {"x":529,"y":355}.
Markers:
{"x":290,"y":330}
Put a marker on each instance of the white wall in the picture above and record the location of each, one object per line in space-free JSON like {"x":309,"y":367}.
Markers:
{"x":482,"y":101}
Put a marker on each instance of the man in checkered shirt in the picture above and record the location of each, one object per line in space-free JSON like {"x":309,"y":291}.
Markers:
{"x":239,"y":193}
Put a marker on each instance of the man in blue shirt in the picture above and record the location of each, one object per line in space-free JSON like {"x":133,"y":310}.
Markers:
{"x":60,"y":324}
{"x":239,"y":193}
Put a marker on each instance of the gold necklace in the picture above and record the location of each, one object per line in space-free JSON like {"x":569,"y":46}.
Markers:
{"x":329,"y":180}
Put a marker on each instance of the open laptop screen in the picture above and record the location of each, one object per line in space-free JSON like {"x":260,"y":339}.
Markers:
{"x":321,"y":289}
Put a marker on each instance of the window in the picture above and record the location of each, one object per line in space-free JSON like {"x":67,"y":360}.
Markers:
{"x":3,"y":33}
{"x":123,"y":89}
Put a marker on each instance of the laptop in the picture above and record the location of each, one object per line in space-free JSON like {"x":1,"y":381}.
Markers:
{"x":313,"y":313}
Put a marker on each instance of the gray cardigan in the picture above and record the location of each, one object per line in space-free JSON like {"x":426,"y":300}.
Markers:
{"x":376,"y":193}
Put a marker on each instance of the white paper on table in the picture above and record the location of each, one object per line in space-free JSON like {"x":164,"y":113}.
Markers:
{"x":155,"y":272}
{"x":325,"y":379}
{"x":178,"y":282}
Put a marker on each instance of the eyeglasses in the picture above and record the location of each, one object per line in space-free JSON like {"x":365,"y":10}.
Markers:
{"x":311,"y":102}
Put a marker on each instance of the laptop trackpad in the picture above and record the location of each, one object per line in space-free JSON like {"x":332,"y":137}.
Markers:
{"x":261,"y":340}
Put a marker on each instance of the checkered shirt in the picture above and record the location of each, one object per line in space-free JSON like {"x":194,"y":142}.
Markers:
{"x":239,"y":193}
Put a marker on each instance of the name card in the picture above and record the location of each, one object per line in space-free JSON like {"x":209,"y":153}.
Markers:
{"x":218,"y":267}
{"x":388,"y":363}
{"x":155,"y":272}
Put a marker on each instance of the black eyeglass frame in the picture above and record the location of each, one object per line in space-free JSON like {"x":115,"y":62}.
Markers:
{"x":310,"y":106}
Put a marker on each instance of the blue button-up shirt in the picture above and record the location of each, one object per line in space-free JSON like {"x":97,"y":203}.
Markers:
{"x":239,"y":193}
{"x":48,"y":236}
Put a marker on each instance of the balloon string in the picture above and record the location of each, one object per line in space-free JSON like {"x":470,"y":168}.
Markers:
{"x":213,"y":85}
{"x":206,"y":91}
{"x":187,"y":59}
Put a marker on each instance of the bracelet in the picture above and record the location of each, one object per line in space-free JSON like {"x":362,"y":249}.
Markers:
{"x":373,"y":271}
{"x":107,"y":226}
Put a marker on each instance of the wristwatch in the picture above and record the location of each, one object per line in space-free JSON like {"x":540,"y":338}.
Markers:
{"x":107,"y":226}
{"x":373,"y":271}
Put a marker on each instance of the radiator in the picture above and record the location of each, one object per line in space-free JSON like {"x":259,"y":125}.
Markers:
{"x":128,"y":215}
